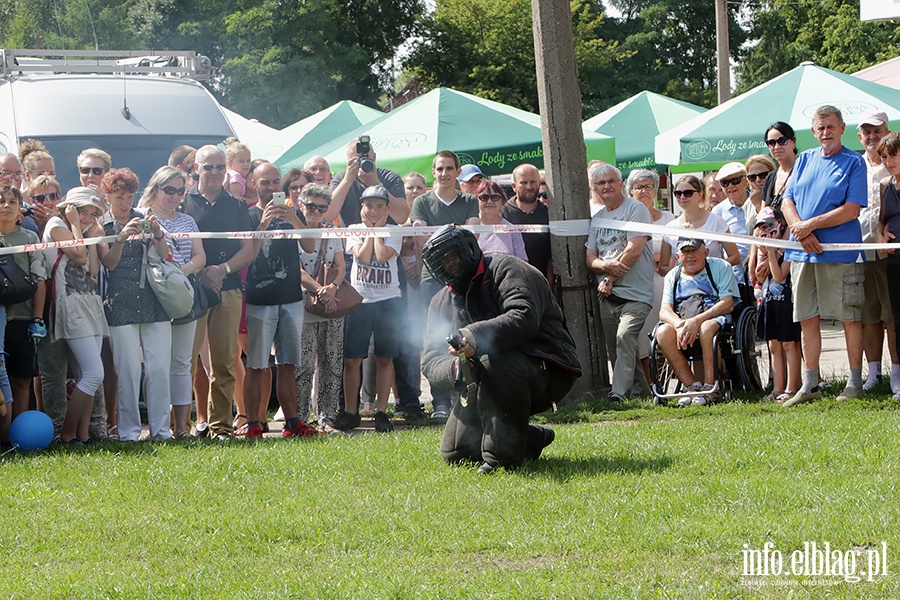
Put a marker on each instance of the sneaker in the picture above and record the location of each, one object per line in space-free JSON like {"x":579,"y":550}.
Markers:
{"x":414,"y":414}
{"x":801,"y":397}
{"x":222,"y":437}
{"x":254,"y":430}
{"x":615,"y":398}
{"x":694,"y":388}
{"x":686,"y":401}
{"x":382,"y":423}
{"x":440,"y":412}
{"x":699,"y":400}
{"x":347,"y":421}
{"x":849,"y":392}
{"x":486,"y":469}
{"x":302,"y":430}
{"x":870,"y":384}
{"x":367,"y":410}
{"x":202,"y":430}
{"x":279,"y":415}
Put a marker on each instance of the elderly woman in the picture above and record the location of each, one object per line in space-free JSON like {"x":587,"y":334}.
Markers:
{"x":138,"y":324}
{"x":160,"y":199}
{"x":322,"y":344}
{"x":643,"y":185}
{"x":78,"y":320}
{"x":293,"y":183}
{"x":491,"y":201}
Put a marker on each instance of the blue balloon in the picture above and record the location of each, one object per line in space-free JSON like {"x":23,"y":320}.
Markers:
{"x":32,"y":430}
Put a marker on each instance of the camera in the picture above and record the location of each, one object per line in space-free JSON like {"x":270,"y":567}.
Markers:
{"x":363,"y":147}
{"x":145,"y":225}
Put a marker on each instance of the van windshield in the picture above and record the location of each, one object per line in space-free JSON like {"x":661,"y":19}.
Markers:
{"x":142,"y":154}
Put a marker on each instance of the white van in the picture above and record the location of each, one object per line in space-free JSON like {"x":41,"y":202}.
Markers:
{"x":137,"y":108}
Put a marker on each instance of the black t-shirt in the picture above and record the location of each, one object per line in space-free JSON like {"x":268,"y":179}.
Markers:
{"x":537,"y":245}
{"x":350,"y":210}
{"x":274,"y":277}
{"x":227,"y":213}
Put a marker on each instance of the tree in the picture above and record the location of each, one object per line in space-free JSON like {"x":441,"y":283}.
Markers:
{"x":827,"y":32}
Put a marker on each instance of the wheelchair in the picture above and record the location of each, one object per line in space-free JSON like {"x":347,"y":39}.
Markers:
{"x":743,"y":359}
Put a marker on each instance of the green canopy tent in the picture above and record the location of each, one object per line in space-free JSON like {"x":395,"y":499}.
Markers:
{"x":733,"y":131}
{"x":491,"y":135}
{"x":298,"y":139}
{"x":636,"y":122}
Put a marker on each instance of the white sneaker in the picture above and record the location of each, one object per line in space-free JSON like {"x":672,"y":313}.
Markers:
{"x":694,"y":388}
{"x":686,"y":401}
{"x":279,"y":415}
{"x":698,"y":400}
{"x":871,"y":383}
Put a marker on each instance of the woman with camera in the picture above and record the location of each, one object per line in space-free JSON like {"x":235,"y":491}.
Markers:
{"x":137,"y":321}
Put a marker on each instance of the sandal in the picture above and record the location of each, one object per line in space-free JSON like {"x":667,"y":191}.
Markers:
{"x":112,"y":433}
{"x":785,"y":396}
{"x":771,"y":396}
{"x":238,"y":417}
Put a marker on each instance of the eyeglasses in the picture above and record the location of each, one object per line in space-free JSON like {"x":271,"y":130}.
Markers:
{"x":313,"y":207}
{"x":732,"y":181}
{"x":491,"y":197}
{"x":602,"y":182}
{"x":644,"y":187}
{"x":755,"y":176}
{"x":219,"y":168}
{"x":51,"y":197}
{"x":781,"y":141}
{"x":685,"y":193}
{"x":295,"y":188}
{"x":15,"y":175}
{"x":92,"y":170}
{"x":172,"y":191}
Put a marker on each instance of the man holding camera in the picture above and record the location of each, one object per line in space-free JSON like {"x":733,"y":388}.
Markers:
{"x":348,"y":185}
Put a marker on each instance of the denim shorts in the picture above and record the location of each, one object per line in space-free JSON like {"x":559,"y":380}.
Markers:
{"x":281,"y":324}
{"x":384,"y":319}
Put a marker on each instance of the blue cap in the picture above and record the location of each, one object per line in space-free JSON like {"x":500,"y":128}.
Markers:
{"x":468,"y":172}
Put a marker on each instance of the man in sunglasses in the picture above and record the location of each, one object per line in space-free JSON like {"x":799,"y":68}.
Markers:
{"x":623,"y":262}
{"x":821,"y":205}
{"x":215,"y":209}
{"x":876,"y":311}
{"x":735,"y":209}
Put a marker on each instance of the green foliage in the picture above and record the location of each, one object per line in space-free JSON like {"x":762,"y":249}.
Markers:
{"x":827,"y":32}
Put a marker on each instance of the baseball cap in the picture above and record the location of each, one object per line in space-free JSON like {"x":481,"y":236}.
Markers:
{"x":730,"y":170}
{"x":686,"y":242}
{"x":376,"y":191}
{"x":468,"y":172}
{"x":876,"y":118}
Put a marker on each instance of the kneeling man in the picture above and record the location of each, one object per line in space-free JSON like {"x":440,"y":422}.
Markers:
{"x":698,"y":297}
{"x":496,"y":334}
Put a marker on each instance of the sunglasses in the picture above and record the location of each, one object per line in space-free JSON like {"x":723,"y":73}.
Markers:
{"x":172,"y":191}
{"x":51,"y":197}
{"x":685,"y":193}
{"x":491,"y":197}
{"x":542,"y":195}
{"x":92,"y":170}
{"x":208,"y":168}
{"x":755,"y":176}
{"x":732,"y":181}
{"x":313,"y":207}
{"x":781,"y":141}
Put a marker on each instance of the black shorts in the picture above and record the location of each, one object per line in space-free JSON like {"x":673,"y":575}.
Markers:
{"x":21,"y":360}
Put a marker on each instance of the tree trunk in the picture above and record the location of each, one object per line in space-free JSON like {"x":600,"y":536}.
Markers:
{"x":565,"y":161}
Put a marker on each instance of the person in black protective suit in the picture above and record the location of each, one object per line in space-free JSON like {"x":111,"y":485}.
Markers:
{"x":496,"y":334}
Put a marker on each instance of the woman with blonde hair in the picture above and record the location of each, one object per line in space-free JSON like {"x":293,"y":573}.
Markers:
{"x":161,"y":197}
{"x":690,"y":194}
{"x":758,"y":168}
{"x":35,"y":160}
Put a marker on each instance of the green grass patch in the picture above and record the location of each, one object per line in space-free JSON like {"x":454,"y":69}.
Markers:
{"x":631,"y":501}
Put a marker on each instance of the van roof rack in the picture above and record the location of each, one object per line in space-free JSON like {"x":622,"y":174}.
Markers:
{"x":186,"y":64}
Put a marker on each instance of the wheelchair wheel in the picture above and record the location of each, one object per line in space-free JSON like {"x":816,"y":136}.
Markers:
{"x":664,"y":380}
{"x":753,"y":353}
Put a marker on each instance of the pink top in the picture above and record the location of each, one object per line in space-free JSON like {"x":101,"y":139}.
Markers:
{"x":232,"y":176}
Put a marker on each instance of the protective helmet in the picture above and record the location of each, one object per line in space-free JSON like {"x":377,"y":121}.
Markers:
{"x":452,"y":255}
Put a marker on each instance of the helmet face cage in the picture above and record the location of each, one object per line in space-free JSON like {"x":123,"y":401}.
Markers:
{"x":452,"y":255}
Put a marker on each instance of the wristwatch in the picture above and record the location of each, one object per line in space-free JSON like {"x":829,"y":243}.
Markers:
{"x":227,"y":268}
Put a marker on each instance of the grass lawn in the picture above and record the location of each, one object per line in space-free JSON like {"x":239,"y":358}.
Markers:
{"x":637,"y":502}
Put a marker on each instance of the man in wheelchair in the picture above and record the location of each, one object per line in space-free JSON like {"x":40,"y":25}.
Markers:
{"x":699,"y":295}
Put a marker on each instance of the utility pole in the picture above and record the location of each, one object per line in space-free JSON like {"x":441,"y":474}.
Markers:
{"x":723,"y":64}
{"x":566,"y":172}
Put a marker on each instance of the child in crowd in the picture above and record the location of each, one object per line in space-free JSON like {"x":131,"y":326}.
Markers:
{"x":237,"y":161}
{"x":775,"y":322}
{"x":374,"y":275}
{"x":889,"y":222}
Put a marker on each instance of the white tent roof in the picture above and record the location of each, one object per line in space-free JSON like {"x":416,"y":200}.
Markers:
{"x":886,"y":73}
{"x":247,"y":130}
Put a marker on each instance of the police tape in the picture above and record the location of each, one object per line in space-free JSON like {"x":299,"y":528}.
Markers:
{"x":578,"y":227}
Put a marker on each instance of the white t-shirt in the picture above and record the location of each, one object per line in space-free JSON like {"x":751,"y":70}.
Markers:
{"x":375,"y":282}
{"x":714,"y":223}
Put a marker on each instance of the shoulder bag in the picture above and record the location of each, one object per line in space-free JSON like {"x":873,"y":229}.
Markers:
{"x":348,"y":299}
{"x":15,"y":284}
{"x":170,"y":285}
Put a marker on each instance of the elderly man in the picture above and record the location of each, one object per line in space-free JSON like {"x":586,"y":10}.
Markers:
{"x":526,"y":209}
{"x":469,"y":178}
{"x":714,"y":192}
{"x":348,"y":185}
{"x":320,"y":169}
{"x":735,"y":209}
{"x":698,"y":297}
{"x":214,"y":209}
{"x":623,"y":262}
{"x":821,"y":204}
{"x":876,"y":311}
